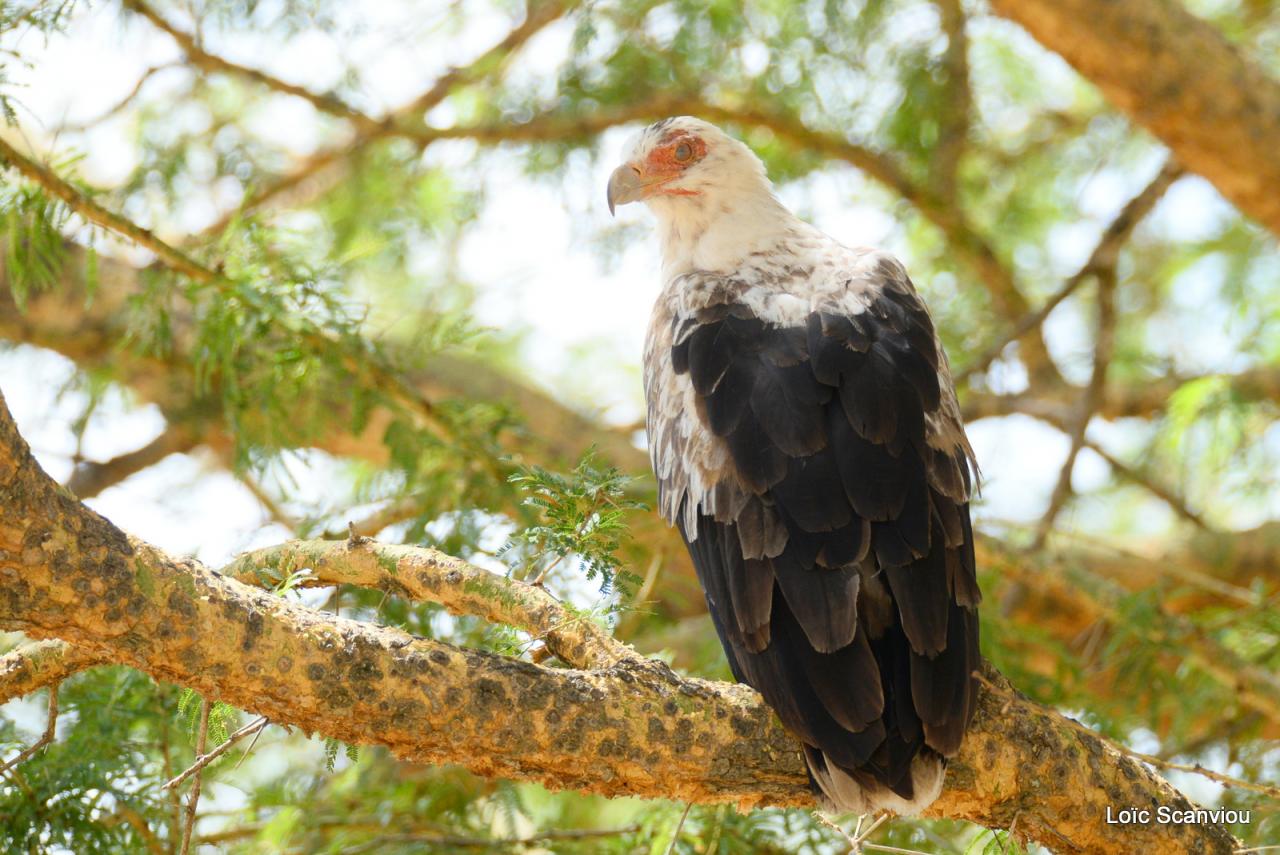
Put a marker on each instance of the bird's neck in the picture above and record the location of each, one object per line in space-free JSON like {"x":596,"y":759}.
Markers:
{"x":718,"y":231}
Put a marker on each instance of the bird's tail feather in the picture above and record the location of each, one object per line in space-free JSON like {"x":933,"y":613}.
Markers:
{"x":846,"y":791}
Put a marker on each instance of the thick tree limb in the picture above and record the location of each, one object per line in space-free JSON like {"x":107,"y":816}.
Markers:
{"x":635,"y":728}
{"x":1219,"y":113}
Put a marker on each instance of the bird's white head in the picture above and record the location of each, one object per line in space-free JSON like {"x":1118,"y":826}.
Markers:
{"x":684,"y":159}
{"x":709,"y":192}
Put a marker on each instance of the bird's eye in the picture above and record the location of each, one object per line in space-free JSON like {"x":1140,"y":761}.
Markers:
{"x":683,"y":152}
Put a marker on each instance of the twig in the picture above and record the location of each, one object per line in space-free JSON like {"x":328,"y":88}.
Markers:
{"x":325,"y":102}
{"x":406,"y":121}
{"x":867,"y":832}
{"x":1197,"y":769}
{"x":203,"y":760}
{"x":193,"y":799}
{"x":675,"y":835}
{"x":50,"y":730}
{"x":1104,"y":344}
{"x":122,"y":103}
{"x":1104,"y":256}
{"x":1175,"y":502}
{"x":254,"y":741}
{"x":396,"y":511}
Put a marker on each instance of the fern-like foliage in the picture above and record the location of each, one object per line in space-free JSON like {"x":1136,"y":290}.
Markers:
{"x":581,"y":523}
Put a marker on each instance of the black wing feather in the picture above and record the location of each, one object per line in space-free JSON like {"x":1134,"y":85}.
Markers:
{"x":825,"y":426}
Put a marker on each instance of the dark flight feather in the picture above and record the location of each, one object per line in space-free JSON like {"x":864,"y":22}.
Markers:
{"x":839,"y":565}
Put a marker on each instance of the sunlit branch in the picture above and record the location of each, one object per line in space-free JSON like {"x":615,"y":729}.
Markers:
{"x":40,"y":664}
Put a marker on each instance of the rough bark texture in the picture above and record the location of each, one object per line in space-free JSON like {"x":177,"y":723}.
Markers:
{"x":633,"y":728}
{"x":37,"y":664}
{"x":1177,"y":76}
{"x":428,"y":575}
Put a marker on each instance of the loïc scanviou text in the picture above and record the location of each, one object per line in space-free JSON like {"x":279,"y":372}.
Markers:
{"x":1166,"y":815}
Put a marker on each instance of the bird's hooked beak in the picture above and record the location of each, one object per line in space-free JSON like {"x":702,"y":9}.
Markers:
{"x":626,"y":184}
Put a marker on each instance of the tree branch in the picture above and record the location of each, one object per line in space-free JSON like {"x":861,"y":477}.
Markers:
{"x":1220,"y":114}
{"x":635,"y":728}
{"x":366,"y":363}
{"x":38,"y":664}
{"x":954,"y":118}
{"x":1139,"y":398}
{"x":1104,"y":257}
{"x":1148,"y":482}
{"x":92,"y":477}
{"x":202,"y":59}
{"x":428,"y":575}
{"x":50,"y":730}
{"x":205,"y":759}
{"x":193,"y":798}
{"x":406,"y":121}
{"x":1104,"y":344}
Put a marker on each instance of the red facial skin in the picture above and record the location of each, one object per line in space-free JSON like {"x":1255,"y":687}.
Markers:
{"x":662,"y":167}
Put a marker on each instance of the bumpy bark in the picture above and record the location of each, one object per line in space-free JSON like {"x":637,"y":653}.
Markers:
{"x":37,"y":664}
{"x":632,"y":728}
{"x":1177,"y":76}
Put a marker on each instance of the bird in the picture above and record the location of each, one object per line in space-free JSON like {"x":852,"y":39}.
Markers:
{"x":808,"y":445}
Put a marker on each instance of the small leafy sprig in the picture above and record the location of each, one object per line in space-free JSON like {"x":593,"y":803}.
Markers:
{"x":221,"y":716}
{"x":583,"y":518}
